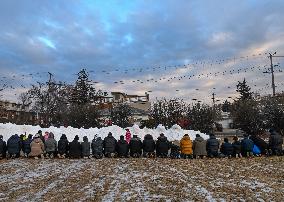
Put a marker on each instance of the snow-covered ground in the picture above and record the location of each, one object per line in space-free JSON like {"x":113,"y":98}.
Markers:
{"x":174,"y":133}
{"x":257,"y":179}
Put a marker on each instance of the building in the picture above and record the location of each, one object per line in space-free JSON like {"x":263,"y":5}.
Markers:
{"x":15,"y":113}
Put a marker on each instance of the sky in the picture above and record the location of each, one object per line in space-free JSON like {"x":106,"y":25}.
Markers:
{"x":168,"y":48}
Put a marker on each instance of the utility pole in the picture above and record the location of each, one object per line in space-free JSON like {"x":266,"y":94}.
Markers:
{"x":213,"y":98}
{"x":271,"y":56}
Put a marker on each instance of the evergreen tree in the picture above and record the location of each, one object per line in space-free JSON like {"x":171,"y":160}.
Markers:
{"x":244,"y":90}
{"x":120,"y":115}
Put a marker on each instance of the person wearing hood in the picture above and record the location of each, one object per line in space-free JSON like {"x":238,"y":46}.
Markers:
{"x":261,"y":144}
{"x":50,"y":146}
{"x":27,"y":145}
{"x":149,"y":146}
{"x":97,"y":147}
{"x":212,"y":146}
{"x":86,"y":147}
{"x":247,"y":146}
{"x":46,"y":135}
{"x":135,"y":147}
{"x":237,"y":147}
{"x":75,"y":148}
{"x":14,"y":146}
{"x":63,"y":147}
{"x":186,"y":147}
{"x":199,"y":147}
{"x":37,"y":148}
{"x":109,"y":145}
{"x":127,"y":136}
{"x":227,"y":148}
{"x":3,"y":148}
{"x":162,"y":146}
{"x":275,"y":142}
{"x":122,"y":147}
{"x":41,"y":136}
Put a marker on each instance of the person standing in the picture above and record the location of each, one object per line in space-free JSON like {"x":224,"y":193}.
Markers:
{"x":127,"y":136}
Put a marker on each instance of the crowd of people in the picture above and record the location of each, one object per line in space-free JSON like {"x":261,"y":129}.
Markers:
{"x":45,"y":146}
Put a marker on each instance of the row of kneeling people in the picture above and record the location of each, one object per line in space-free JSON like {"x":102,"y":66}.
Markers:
{"x":38,"y":146}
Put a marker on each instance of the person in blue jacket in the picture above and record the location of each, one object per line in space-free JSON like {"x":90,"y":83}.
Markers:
{"x":247,"y":146}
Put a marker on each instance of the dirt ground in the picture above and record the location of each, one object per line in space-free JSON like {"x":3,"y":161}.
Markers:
{"x":257,"y":179}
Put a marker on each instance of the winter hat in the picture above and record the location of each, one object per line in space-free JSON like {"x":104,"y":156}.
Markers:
{"x":197,"y":135}
{"x":39,"y":132}
{"x":121,"y":137}
{"x":127,"y":129}
{"x":135,"y":136}
{"x":30,"y":136}
{"x":36,"y":135}
{"x":1,"y":137}
{"x":85,"y":138}
{"x":185,"y":135}
{"x":51,"y":135}
{"x":109,"y":134}
{"x":162,"y":135}
{"x":76,"y":137}
{"x":226,"y":139}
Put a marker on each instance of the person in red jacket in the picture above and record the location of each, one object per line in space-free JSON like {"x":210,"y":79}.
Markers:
{"x":127,"y":136}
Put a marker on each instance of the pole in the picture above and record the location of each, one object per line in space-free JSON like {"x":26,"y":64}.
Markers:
{"x":213,"y":98}
{"x":272,"y":74}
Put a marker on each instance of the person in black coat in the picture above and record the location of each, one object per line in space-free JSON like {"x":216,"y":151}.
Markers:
{"x":14,"y":146}
{"x":135,"y":147}
{"x":86,"y":150}
{"x":260,"y":143}
{"x":97,"y":147}
{"x":27,"y":145}
{"x":109,"y":145}
{"x":75,"y":148}
{"x":275,"y":142}
{"x":63,"y":147}
{"x":122,"y":147}
{"x":162,"y":146}
{"x":247,"y":146}
{"x":227,"y":148}
{"x":3,"y":148}
{"x":237,"y":147}
{"x":212,"y":146}
{"x":149,"y":146}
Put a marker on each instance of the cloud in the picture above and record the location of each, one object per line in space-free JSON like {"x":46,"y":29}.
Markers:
{"x":64,"y":36}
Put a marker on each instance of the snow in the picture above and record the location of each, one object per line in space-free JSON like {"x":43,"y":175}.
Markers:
{"x":174,"y":133}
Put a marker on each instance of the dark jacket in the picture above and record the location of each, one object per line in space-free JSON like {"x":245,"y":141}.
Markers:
{"x":148,"y":144}
{"x":275,"y":141}
{"x":97,"y":146}
{"x":212,"y":145}
{"x":14,"y":144}
{"x":260,"y":143}
{"x":50,"y":143}
{"x":63,"y":145}
{"x":135,"y":146}
{"x":27,"y":145}
{"x":109,"y":144}
{"x":227,"y":149}
{"x":3,"y":147}
{"x":237,"y":147}
{"x":122,"y":148}
{"x":75,"y":149}
{"x":199,"y":147}
{"x":86,"y":151}
{"x":247,"y":145}
{"x":162,"y":146}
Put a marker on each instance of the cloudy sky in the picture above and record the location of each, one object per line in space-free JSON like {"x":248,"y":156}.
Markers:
{"x":172,"y":48}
